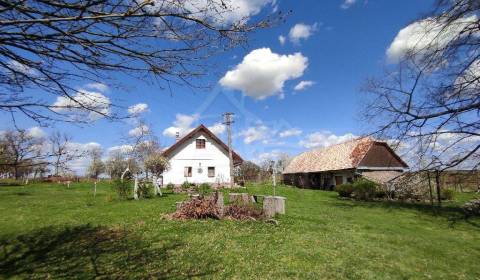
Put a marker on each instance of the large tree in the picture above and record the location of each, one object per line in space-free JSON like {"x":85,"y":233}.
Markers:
{"x":20,"y":152}
{"x":428,"y":100}
{"x":61,"y":151}
{"x":97,"y":166}
{"x":52,"y":46}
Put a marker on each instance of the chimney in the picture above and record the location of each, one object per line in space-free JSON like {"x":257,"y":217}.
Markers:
{"x":177,"y":136}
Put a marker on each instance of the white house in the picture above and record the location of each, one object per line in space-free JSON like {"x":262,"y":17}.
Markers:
{"x":199,"y":157}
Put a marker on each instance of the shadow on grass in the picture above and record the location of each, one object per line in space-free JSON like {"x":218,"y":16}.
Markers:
{"x":90,"y":252}
{"x":453,"y":214}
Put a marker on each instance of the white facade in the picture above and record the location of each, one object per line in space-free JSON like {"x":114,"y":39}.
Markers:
{"x":199,"y":160}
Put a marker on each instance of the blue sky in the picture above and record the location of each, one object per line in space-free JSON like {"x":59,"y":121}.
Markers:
{"x":346,"y":44}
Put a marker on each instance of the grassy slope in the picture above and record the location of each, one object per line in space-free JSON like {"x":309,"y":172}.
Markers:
{"x":51,"y":231}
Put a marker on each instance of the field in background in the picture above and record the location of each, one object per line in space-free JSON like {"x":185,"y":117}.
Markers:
{"x":50,"y":231}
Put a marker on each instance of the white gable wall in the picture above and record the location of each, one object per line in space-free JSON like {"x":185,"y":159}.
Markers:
{"x":188,"y":155}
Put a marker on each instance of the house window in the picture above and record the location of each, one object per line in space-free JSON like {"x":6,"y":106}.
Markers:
{"x":200,"y":143}
{"x":187,"y":171}
{"x":211,"y":171}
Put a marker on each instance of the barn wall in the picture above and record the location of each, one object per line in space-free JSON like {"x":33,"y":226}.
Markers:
{"x":380,"y":156}
{"x":319,"y":180}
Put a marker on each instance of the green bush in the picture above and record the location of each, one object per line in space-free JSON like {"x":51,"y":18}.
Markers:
{"x":364,"y":189}
{"x":204,"y":189}
{"x":447,"y":194}
{"x":144,"y":190}
{"x":344,"y":190}
{"x":170,"y":186}
{"x":121,"y":188}
{"x":186,"y":185}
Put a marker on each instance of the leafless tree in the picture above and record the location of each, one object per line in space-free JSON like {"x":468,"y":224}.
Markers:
{"x":116,"y":164}
{"x":53,"y":45}
{"x":247,"y":172}
{"x":20,"y":152}
{"x":429,"y":102}
{"x":96,"y":166}
{"x":61,"y":151}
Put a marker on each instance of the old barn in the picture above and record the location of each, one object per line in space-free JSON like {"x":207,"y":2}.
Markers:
{"x":325,"y":168}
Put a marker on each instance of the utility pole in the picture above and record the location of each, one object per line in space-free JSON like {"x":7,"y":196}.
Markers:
{"x":228,"y":120}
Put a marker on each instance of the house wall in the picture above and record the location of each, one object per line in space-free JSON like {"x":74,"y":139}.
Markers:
{"x":188,"y":155}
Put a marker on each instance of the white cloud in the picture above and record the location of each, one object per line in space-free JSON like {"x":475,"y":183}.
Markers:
{"x":97,"y":86}
{"x":429,"y":32}
{"x":80,"y":153}
{"x":290,"y":132}
{"x":303,"y":85}
{"x":219,"y":12}
{"x":301,"y":31}
{"x":36,"y":132}
{"x":257,"y":133}
{"x":182,"y":124}
{"x":217,"y":128}
{"x":263,"y":73}
{"x":93,"y":105}
{"x":139,"y":131}
{"x":137,"y":109}
{"x":347,"y":4}
{"x":282,"y":39}
{"x":272,"y":155}
{"x":324,"y":139}
{"x":22,"y":68}
{"x":124,"y":149}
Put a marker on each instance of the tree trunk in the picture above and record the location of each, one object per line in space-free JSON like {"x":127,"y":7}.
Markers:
{"x":430,"y":188}
{"x":437,"y":181}
{"x":17,"y":175}
{"x":156,"y":187}
{"x":135,"y":189}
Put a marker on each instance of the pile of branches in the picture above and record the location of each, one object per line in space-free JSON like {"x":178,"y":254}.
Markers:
{"x":242,"y":211}
{"x":199,"y":208}
{"x":472,"y":208}
{"x":208,"y":208}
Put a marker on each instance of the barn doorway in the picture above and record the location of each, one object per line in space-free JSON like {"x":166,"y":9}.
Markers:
{"x":338,"y":180}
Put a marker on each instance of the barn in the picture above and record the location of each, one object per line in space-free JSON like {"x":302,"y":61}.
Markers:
{"x":324,"y":168}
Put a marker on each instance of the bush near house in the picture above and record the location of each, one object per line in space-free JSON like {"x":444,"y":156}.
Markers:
{"x":186,"y":185}
{"x":344,"y":190}
{"x":204,"y":189}
{"x":361,"y":189}
{"x":447,"y":194}
{"x":170,"y":186}
{"x":364,"y":189}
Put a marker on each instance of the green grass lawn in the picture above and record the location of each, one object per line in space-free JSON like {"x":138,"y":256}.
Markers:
{"x":49,"y":231}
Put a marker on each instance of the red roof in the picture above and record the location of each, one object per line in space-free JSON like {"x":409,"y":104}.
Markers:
{"x":236,"y":158}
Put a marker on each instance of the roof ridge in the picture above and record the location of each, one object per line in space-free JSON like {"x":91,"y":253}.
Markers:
{"x":359,"y":138}
{"x":209,"y":133}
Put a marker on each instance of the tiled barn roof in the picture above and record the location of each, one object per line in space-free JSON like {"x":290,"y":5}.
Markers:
{"x":382,"y":176}
{"x":345,"y":155}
